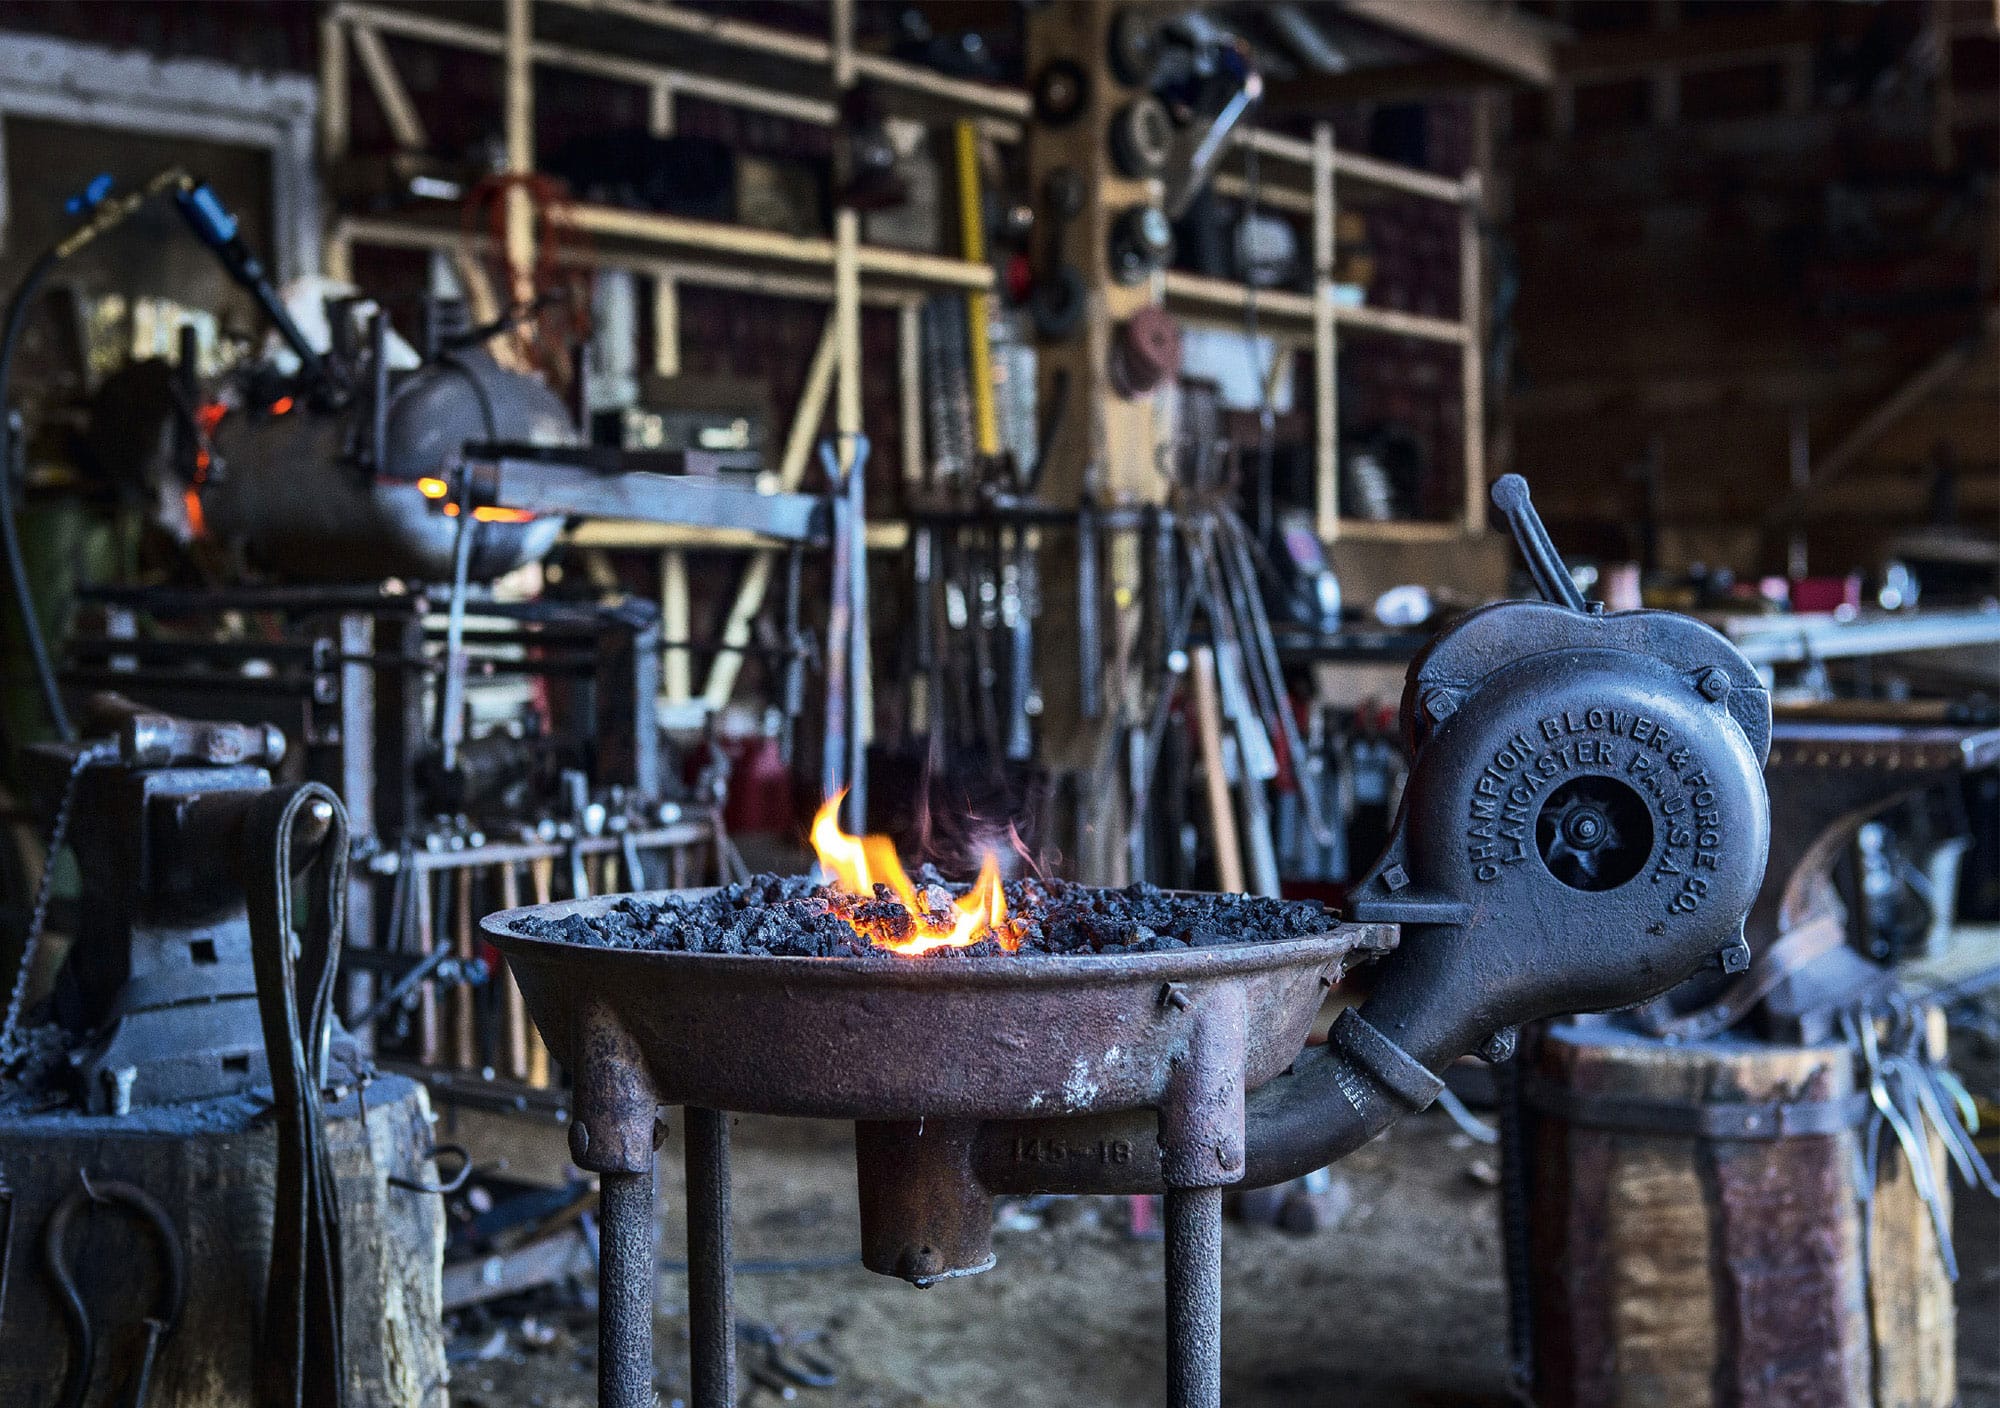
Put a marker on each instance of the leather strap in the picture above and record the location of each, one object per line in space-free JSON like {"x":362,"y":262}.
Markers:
{"x":1743,"y":1119}
{"x":1395,"y":1069}
{"x":301,"y":1360}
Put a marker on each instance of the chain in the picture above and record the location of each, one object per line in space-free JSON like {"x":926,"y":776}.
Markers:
{"x":39,"y":916}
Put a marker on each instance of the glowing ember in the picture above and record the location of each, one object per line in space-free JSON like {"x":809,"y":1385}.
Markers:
{"x":857,"y":864}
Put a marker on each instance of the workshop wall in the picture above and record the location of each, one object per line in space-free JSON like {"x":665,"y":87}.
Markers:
{"x":1714,"y":258}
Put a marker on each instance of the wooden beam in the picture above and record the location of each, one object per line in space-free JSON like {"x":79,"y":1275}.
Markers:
{"x":1905,"y":399}
{"x":518,"y":112}
{"x":1506,"y":44}
{"x":1311,"y":95}
{"x":756,"y":583}
{"x":1724,"y":40}
{"x":1472,"y":360}
{"x":405,"y":127}
{"x":334,"y":101}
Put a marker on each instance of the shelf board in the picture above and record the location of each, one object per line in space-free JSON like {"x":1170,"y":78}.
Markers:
{"x":1364,"y":530}
{"x":1200,"y":298}
{"x":678,"y":235}
{"x":648,"y":43}
{"x":1203,"y":299}
{"x":698,"y":252}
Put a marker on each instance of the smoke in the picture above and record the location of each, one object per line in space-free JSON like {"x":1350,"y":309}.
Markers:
{"x":968,"y":807}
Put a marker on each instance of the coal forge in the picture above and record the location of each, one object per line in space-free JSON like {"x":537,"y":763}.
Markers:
{"x":798,"y":918}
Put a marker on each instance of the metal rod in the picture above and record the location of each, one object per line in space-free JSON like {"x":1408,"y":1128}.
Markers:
{"x":1194,"y":1297}
{"x":625,"y":1290}
{"x":711,"y":1289}
{"x":860,"y":725}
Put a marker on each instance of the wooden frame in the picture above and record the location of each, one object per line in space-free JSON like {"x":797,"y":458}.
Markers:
{"x":674,"y":251}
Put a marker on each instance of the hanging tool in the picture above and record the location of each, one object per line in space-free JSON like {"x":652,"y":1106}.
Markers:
{"x":1061,"y":296}
{"x":978,"y":304}
{"x":1142,"y":138}
{"x":845,"y":762}
{"x":1142,"y":242}
{"x":301,"y":1357}
{"x":167,"y":1306}
{"x":1221,"y":811}
{"x":1089,"y":610}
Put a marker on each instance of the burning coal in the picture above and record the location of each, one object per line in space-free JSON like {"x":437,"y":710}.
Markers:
{"x":932,"y":918}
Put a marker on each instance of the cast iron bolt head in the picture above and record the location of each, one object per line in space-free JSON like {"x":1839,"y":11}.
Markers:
{"x":1395,"y":877}
{"x":1176,"y":996}
{"x":1227,"y":1157}
{"x":1500,"y":1046}
{"x":1735,"y":955}
{"x":579,"y":1141}
{"x":1713,"y":684}
{"x":1440,"y":704}
{"x":1585,"y":828}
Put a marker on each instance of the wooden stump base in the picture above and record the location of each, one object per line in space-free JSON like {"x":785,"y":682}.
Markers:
{"x":211,"y":1165}
{"x":1678,"y":1267}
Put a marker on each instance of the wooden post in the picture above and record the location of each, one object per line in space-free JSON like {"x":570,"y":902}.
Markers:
{"x":518,"y":108}
{"x":791,"y":471}
{"x":910,"y":366}
{"x":333,"y":94}
{"x":1106,"y":443}
{"x":1326,"y":341}
{"x":666,"y":290}
{"x":464,"y":1016}
{"x":676,"y":621}
{"x":1472,"y":358}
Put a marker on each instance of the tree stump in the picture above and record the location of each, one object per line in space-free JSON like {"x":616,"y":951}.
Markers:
{"x":1677,"y":1265}
{"x":212,"y":1166}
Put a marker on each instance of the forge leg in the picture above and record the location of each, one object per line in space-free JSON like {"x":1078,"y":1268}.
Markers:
{"x":625,"y":1280}
{"x":711,"y":1289}
{"x":1194,"y":1297}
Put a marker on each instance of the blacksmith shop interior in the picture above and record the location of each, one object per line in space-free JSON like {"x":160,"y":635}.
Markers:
{"x":1000,"y":703}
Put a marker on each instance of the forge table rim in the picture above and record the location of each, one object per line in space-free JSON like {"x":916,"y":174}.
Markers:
{"x":892,"y":1037}
{"x":1221,"y":960}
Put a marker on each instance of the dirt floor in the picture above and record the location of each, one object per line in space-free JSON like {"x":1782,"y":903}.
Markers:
{"x":1397,"y":1303}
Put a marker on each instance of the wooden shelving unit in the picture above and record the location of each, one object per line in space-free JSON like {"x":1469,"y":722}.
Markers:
{"x":671,"y":51}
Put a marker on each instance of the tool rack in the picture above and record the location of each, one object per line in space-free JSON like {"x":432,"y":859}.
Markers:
{"x":668,"y":50}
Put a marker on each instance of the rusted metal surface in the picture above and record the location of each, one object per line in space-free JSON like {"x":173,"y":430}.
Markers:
{"x":918,"y":1052}
{"x":627,"y":1227}
{"x":1194,"y":1297}
{"x":893,"y":1038}
{"x":924,"y":1215}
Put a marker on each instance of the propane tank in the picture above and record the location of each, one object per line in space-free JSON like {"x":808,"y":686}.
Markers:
{"x":293,"y":486}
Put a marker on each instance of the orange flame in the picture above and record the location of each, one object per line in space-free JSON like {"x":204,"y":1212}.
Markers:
{"x":859,"y":863}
